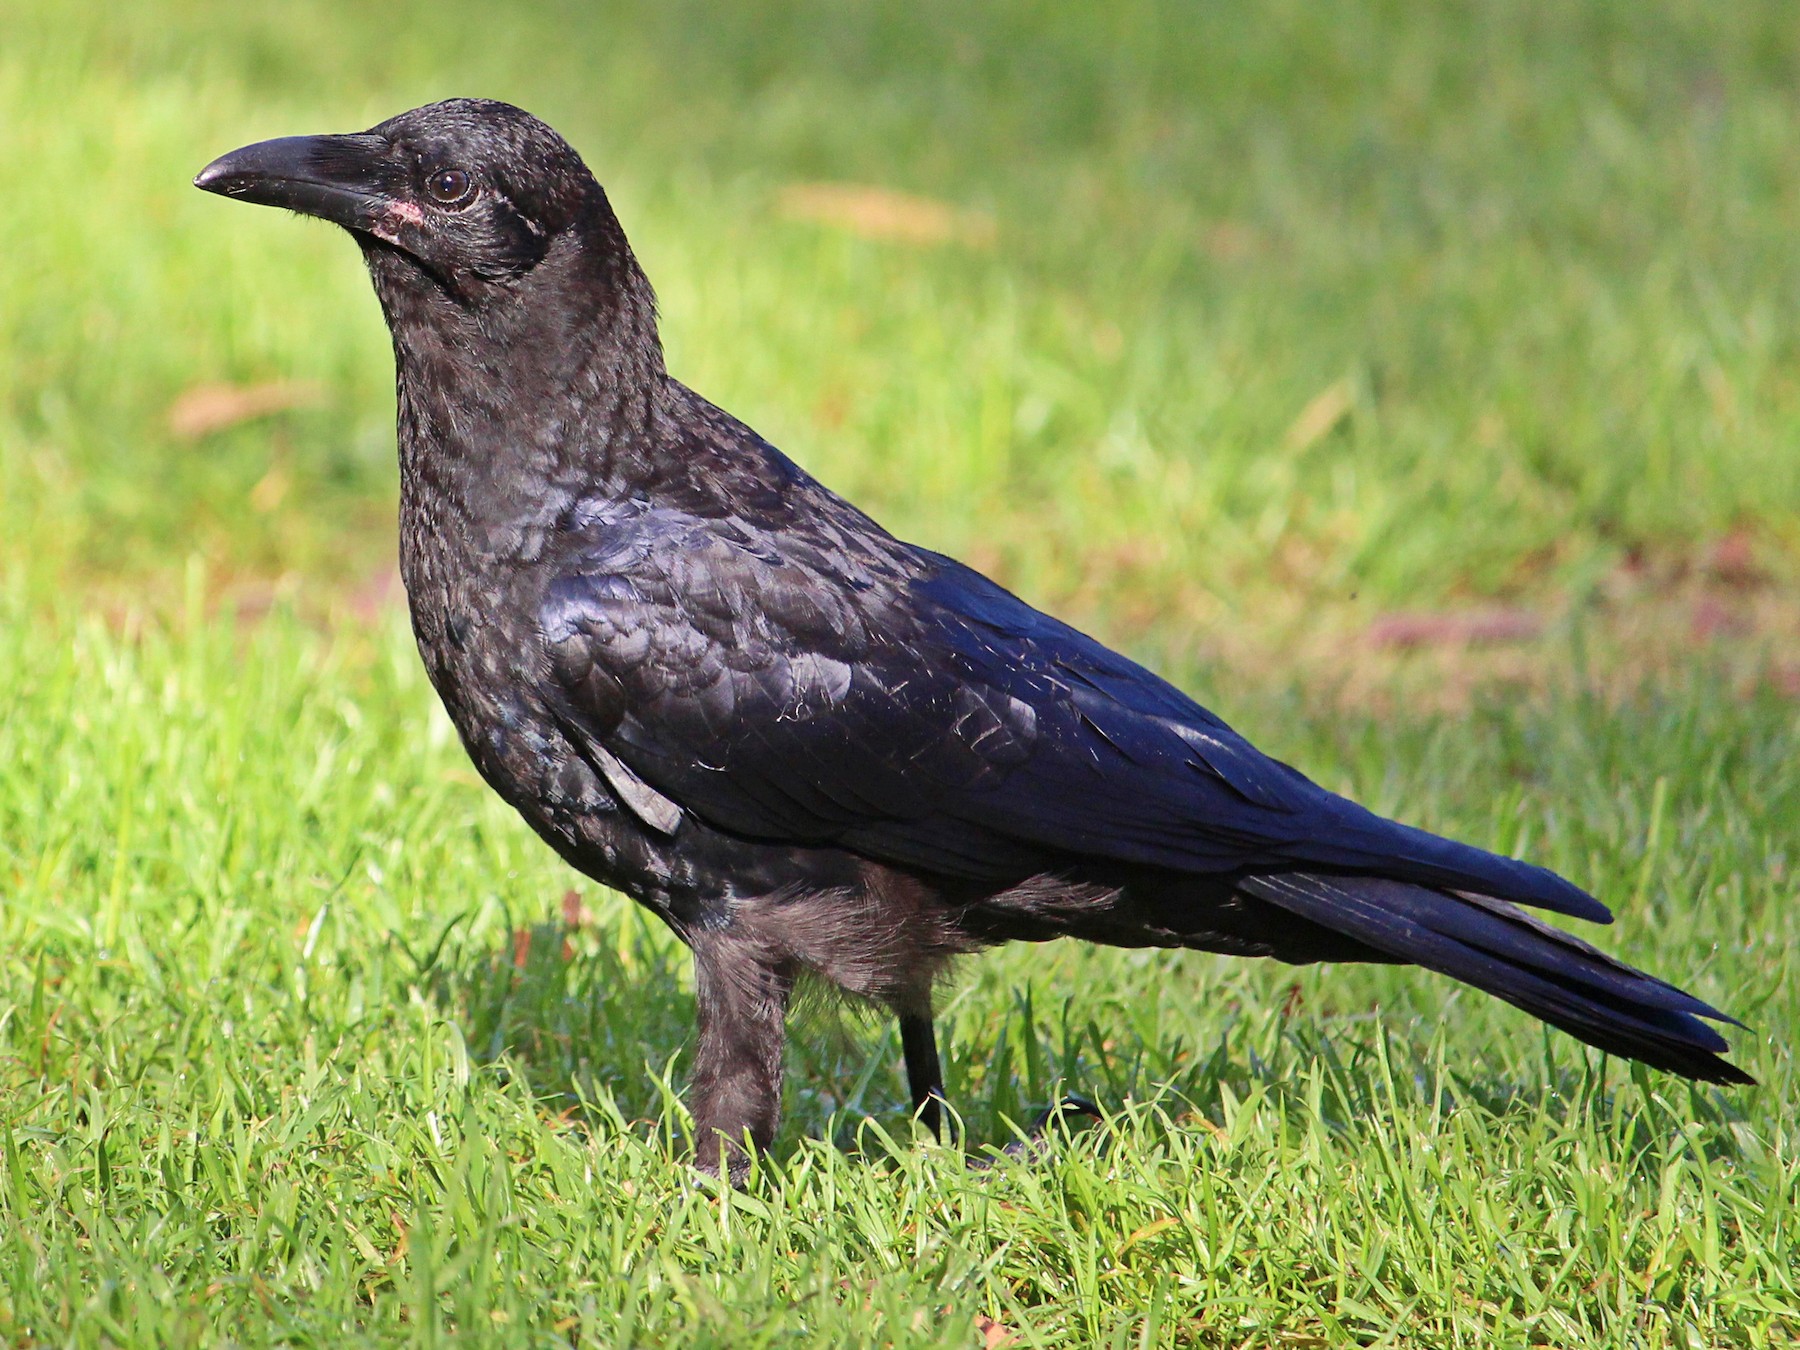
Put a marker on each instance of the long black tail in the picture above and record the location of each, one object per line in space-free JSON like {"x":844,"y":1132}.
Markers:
{"x":1498,"y":947}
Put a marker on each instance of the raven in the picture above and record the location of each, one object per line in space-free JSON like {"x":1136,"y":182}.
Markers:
{"x":814,"y":750}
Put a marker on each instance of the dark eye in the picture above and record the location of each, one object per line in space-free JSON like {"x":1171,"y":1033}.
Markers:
{"x":449,"y":187}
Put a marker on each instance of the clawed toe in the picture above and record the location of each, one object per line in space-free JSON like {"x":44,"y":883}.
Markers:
{"x":1035,"y":1145}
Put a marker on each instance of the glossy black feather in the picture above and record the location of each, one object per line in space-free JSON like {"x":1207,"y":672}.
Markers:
{"x":1494,"y":947}
{"x":825,"y":683}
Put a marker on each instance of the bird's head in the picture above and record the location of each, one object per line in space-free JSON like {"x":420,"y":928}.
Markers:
{"x":465,"y":197}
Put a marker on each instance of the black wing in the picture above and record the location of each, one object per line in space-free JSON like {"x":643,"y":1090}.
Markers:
{"x":827,"y":685}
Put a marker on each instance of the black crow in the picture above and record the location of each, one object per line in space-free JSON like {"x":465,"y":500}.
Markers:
{"x":812,"y":749}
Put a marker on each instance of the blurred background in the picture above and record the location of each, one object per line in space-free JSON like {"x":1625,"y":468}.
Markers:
{"x":1288,"y":336}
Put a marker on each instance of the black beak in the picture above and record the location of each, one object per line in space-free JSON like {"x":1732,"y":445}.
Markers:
{"x":337,"y":178}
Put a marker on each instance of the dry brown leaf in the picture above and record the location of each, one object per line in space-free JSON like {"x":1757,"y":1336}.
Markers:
{"x":207,"y":408}
{"x":1148,"y":1231}
{"x":1421,"y":629}
{"x":1732,"y":559}
{"x":993,"y":1334}
{"x":574,"y":913}
{"x":882,"y":213}
{"x":404,"y":1244}
{"x":1327,"y":408}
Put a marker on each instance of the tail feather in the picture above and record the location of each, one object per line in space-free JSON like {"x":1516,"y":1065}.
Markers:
{"x":1498,"y":948}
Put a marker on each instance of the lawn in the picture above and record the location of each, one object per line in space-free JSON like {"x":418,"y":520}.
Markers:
{"x":1417,"y":383}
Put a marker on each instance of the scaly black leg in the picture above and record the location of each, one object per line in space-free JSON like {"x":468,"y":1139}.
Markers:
{"x":924,"y":1075}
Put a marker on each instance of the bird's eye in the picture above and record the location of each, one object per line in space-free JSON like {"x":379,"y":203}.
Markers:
{"x":449,"y":187}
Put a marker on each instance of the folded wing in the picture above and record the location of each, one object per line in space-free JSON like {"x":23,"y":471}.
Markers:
{"x":903,"y":706}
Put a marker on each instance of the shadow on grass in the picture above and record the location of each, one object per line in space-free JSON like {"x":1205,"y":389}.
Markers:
{"x":604,"y":1015}
{"x":1359,"y":1078}
{"x":583,"y":1018}
{"x":605,"y":1012}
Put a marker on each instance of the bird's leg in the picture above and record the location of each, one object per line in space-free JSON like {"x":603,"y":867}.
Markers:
{"x":924,"y":1075}
{"x":925,"y":1078}
{"x":735,"y":1093}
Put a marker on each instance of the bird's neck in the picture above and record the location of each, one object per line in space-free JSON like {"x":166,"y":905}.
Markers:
{"x":508,"y":414}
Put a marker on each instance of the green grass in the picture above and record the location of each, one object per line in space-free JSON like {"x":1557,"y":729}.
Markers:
{"x":296,"y":1042}
{"x":293,"y":1049}
{"x":1547,"y":247}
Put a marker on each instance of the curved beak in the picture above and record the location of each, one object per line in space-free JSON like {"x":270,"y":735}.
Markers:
{"x":336,"y":178}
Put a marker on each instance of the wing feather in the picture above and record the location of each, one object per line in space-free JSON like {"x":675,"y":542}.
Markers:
{"x":901,"y":705}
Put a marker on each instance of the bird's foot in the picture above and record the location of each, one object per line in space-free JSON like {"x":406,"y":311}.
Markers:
{"x":1035,"y":1145}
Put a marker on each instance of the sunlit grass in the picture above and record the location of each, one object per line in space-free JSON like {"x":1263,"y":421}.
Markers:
{"x":300,"y":1041}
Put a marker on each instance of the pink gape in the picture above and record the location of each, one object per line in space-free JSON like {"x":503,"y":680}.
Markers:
{"x":386,"y":226}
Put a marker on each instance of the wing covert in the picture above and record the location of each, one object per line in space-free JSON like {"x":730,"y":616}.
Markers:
{"x":799,"y":688}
